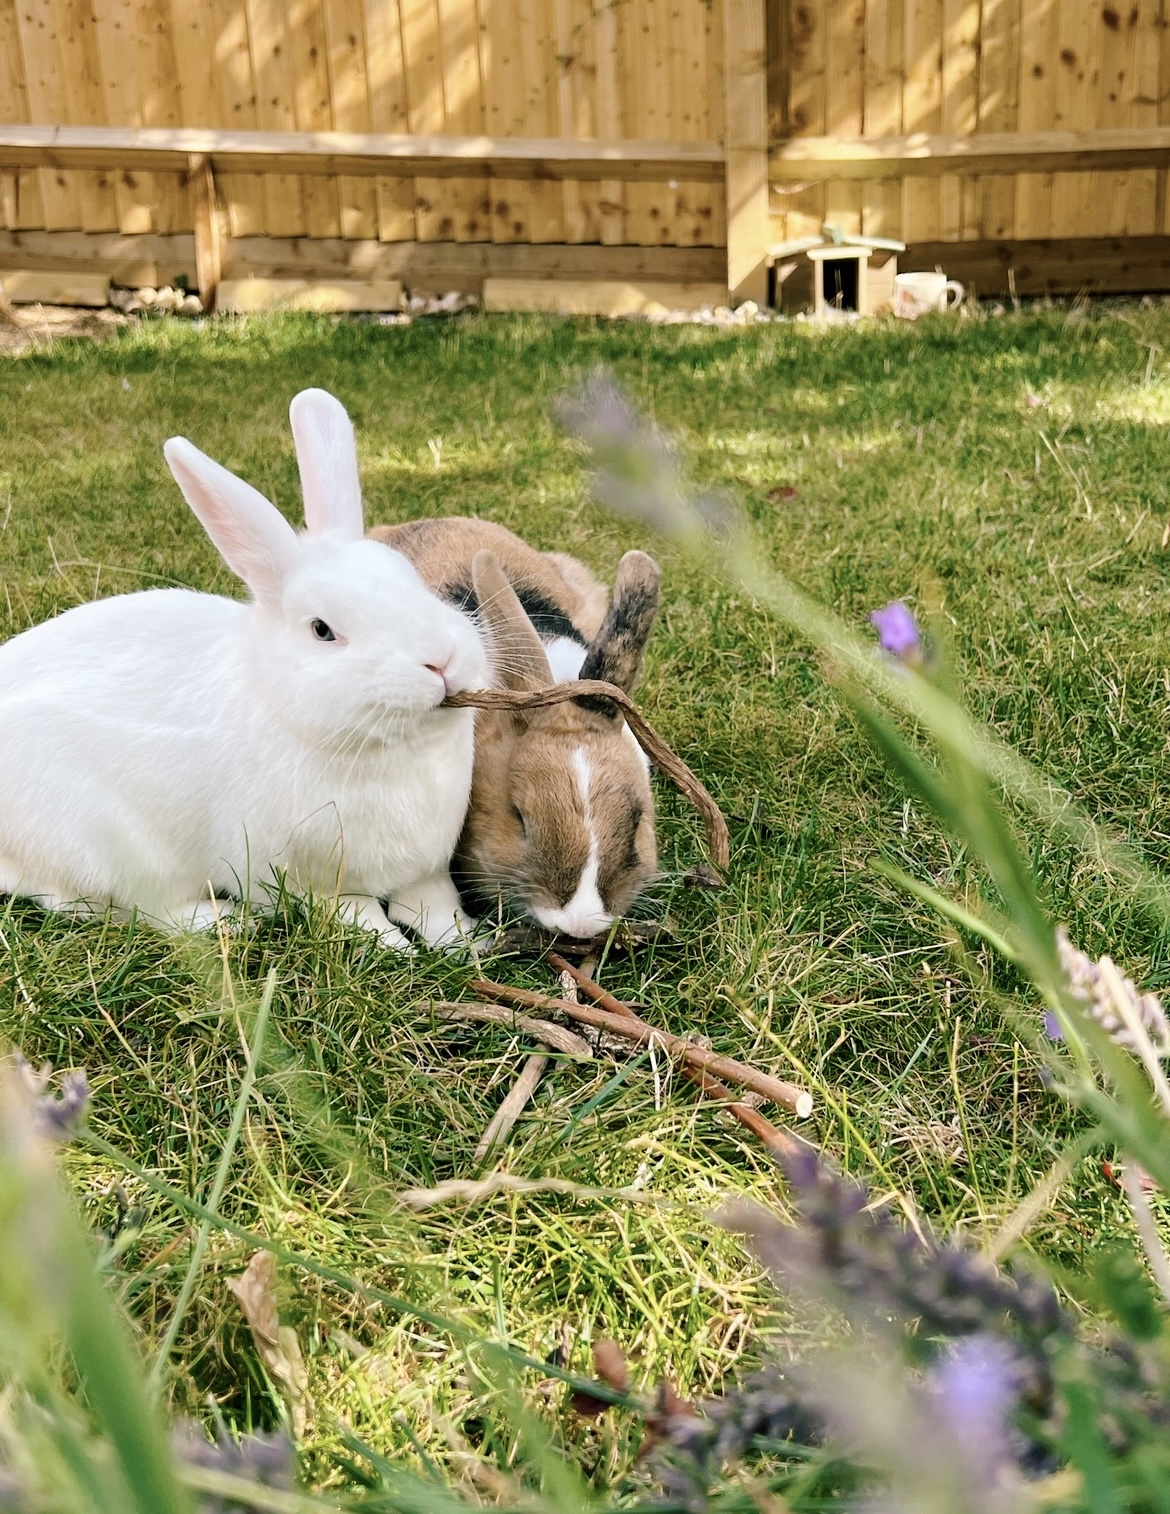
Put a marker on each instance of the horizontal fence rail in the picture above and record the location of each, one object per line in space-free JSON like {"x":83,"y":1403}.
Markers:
{"x":366,"y":154}
{"x":1009,"y":152}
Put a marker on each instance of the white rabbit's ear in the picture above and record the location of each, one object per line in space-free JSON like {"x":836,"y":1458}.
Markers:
{"x":254,"y":539}
{"x":327,"y":457}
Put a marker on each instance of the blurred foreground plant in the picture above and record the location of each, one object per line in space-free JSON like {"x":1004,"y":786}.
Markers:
{"x":930,"y":1325}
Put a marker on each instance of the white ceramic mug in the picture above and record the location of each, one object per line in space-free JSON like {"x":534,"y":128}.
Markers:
{"x":918,"y":294}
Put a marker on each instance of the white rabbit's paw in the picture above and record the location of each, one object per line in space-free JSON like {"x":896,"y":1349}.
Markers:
{"x":464,"y":937}
{"x":432,"y":908}
{"x":370,"y":915}
{"x":205,"y":915}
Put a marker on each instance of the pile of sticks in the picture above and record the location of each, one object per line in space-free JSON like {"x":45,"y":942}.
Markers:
{"x":710,"y":1072}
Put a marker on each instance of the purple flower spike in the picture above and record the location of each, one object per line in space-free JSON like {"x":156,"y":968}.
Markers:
{"x":974,"y":1390}
{"x":1052,"y":1027}
{"x":897,"y":631}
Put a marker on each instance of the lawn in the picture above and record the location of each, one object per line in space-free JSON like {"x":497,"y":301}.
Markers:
{"x":1013,"y":471}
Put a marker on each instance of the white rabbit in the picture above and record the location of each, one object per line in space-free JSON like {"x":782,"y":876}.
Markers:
{"x":161,"y":750}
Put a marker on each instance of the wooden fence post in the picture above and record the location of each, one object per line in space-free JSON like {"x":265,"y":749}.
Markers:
{"x":745,"y":84}
{"x":208,"y":227}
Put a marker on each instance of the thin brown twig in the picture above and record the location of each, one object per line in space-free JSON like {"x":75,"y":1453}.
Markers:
{"x":554,"y":1036}
{"x":774,"y":1137}
{"x":637,"y":1030}
{"x":718,"y":837}
{"x":514,"y":1105}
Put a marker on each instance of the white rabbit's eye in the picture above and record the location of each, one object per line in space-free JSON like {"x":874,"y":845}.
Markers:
{"x":321,"y":631}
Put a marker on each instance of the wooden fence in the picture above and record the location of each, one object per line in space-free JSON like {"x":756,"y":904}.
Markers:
{"x":445,"y":140}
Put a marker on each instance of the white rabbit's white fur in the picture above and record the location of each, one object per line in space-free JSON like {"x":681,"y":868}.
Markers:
{"x":158,"y":750}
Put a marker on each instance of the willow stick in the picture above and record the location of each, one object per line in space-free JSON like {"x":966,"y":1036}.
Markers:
{"x":777,"y":1140}
{"x":663,"y":757}
{"x":515,"y":1103}
{"x":554,"y":1036}
{"x":634,"y":1029}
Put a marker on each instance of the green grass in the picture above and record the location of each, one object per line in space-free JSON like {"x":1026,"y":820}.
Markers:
{"x":893,"y":461}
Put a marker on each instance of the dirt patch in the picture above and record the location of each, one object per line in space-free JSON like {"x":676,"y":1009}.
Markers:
{"x":23,"y":326}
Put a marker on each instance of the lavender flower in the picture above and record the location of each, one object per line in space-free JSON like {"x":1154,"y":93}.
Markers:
{"x":766,"y":1409}
{"x":636,"y":469}
{"x":1112,"y":999}
{"x":266,"y":1458}
{"x":898,"y":632}
{"x":1052,"y":1027}
{"x":974,"y":1389}
{"x":59,"y":1116}
{"x":876,"y":1268}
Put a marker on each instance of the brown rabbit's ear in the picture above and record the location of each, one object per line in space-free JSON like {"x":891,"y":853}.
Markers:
{"x":617,"y":651}
{"x":517,"y":652}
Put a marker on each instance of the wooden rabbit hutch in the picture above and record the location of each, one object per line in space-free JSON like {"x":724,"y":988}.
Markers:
{"x":545,"y":151}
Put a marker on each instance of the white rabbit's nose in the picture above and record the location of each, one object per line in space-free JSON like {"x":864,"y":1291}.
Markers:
{"x":443,"y":670}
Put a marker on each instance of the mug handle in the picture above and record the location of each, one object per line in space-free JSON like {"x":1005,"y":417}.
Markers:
{"x":952,"y":286}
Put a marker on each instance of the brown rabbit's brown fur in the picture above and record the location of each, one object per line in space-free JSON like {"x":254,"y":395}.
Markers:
{"x":561,"y":819}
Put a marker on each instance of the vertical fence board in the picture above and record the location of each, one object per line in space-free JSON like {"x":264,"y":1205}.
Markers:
{"x":424,"y":94}
{"x":44,"y":83}
{"x":1038,"y":65}
{"x":999,"y":96}
{"x":922,"y":111}
{"x":1077,"y":70}
{"x":649,"y":207}
{"x":243,"y":194}
{"x":463,"y":114}
{"x":81,"y":76}
{"x":308,"y":43}
{"x":1142,"y":110}
{"x":577,"y":109}
{"x":349,"y":91}
{"x":159,"y":106}
{"x":689,"y":115}
{"x":117,"y":36}
{"x":1163,"y":96}
{"x":572,"y":120}
{"x":21,"y":206}
{"x":193,"y":30}
{"x":804,"y":207}
{"x":746,"y":144}
{"x":536,"y":115}
{"x":271,"y":68}
{"x":844,"y":90}
{"x":501,"y":68}
{"x":386,"y":81}
{"x":960,"y":111}
{"x":715,"y":195}
{"x":881,"y":211}
{"x":275,"y":90}
{"x":1116,"y":63}
{"x":611,"y":199}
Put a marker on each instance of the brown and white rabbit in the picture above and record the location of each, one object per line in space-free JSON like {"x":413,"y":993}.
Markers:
{"x":561,"y":819}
